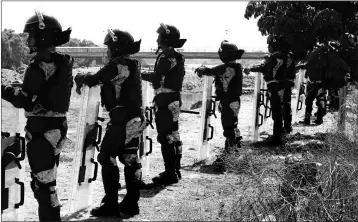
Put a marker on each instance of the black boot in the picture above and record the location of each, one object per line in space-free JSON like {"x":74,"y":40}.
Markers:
{"x":47,"y":213}
{"x":274,"y":140}
{"x":109,"y":204}
{"x":169,"y":176}
{"x":307,"y":120}
{"x":319,"y":120}
{"x":178,"y":165}
{"x":106,"y":209}
{"x":133,"y":178}
{"x":178,"y":156}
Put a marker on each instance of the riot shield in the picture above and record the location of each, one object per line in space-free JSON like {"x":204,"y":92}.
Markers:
{"x":146,"y":143}
{"x":261,"y":108}
{"x":300,"y":92}
{"x":12,"y":171}
{"x":342,"y":93}
{"x":85,"y":167}
{"x":206,"y":132}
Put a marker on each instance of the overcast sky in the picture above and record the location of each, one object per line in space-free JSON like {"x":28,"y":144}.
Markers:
{"x":202,"y":23}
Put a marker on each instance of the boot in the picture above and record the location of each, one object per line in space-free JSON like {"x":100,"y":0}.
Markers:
{"x":106,"y":210}
{"x":129,"y":209}
{"x":274,"y":140}
{"x":47,"y":213}
{"x":109,"y":204}
{"x":307,"y":120}
{"x":178,"y":156}
{"x":287,"y":130}
{"x":166,"y":178}
{"x":178,"y":165}
{"x":319,"y":120}
{"x":169,"y":176}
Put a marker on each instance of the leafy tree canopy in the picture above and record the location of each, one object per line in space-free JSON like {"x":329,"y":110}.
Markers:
{"x":303,"y":24}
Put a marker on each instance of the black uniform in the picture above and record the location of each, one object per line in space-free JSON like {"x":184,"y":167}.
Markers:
{"x":45,"y":96}
{"x":274,"y":71}
{"x":121,"y":94}
{"x":228,"y":84}
{"x":167,"y":80}
{"x":290,"y":83}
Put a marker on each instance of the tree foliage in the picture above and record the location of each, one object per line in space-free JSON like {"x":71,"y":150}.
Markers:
{"x":15,"y":53}
{"x":14,"y":50}
{"x":79,"y":43}
{"x":303,"y":24}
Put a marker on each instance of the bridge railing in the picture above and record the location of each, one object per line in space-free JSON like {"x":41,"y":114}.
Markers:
{"x":101,"y":52}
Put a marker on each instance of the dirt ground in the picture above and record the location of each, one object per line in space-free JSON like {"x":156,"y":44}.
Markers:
{"x":202,"y":194}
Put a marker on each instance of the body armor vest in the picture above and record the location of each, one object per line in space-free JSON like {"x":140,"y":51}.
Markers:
{"x":234,"y":85}
{"x":56,"y":92}
{"x":174,"y":78}
{"x":130,"y":94}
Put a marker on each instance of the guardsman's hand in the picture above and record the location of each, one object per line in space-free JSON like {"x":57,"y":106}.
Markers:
{"x":200,"y":71}
{"x":347,"y":77}
{"x":247,"y":71}
{"x":79,"y":80}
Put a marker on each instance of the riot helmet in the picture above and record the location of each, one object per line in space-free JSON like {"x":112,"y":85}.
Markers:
{"x":46,"y":30}
{"x":121,"y":43}
{"x":229,"y":52}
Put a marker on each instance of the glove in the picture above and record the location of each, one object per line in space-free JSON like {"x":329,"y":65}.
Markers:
{"x":200,"y":71}
{"x":79,"y":80}
{"x":347,"y":77}
{"x":220,"y":108}
{"x":247,"y":71}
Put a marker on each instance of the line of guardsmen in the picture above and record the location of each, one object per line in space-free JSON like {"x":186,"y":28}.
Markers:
{"x":46,"y":91}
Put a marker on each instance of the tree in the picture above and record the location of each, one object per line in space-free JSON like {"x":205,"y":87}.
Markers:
{"x":6,"y":61}
{"x":79,"y":43}
{"x":303,"y":24}
{"x":16,"y":55}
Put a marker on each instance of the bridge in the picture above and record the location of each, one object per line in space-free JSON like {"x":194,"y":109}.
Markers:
{"x":101,"y":53}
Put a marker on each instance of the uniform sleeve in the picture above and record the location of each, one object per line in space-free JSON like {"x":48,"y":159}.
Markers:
{"x":104,"y":75}
{"x":266,"y":66}
{"x":214,"y":71}
{"x":21,"y":97}
{"x":146,"y":76}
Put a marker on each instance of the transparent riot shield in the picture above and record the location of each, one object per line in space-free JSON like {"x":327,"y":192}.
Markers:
{"x":261,"y":109}
{"x":146,"y":144}
{"x":300,"y":95}
{"x":85,"y":167}
{"x":206,"y":132}
{"x":13,"y":168}
{"x":342,"y":94}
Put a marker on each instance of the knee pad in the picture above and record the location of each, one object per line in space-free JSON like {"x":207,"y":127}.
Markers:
{"x":173,"y":137}
{"x":131,"y":160}
{"x":174,"y":107}
{"x":134,"y":129}
{"x":235,"y":107}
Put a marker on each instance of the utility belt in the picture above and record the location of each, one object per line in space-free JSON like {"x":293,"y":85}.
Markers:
{"x":121,"y":115}
{"x":164,"y":99}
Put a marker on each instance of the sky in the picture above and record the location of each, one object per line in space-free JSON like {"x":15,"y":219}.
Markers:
{"x":202,"y":23}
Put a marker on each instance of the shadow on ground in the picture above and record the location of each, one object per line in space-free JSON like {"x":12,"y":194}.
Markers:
{"x":293,"y":144}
